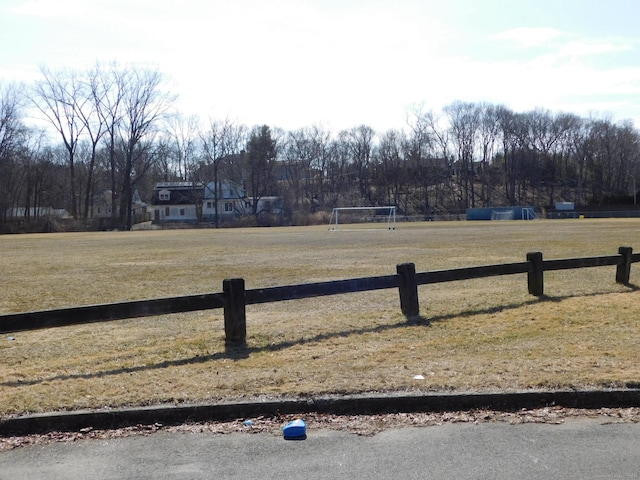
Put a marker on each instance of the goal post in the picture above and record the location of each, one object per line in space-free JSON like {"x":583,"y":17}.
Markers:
{"x":529,"y":213}
{"x":388,"y":214}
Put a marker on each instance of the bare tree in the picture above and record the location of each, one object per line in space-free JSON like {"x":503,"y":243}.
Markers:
{"x":432,"y":132}
{"x":183,"y":136}
{"x":464,"y":123}
{"x":184,"y":151}
{"x":339,"y":175}
{"x":260,"y":157}
{"x":298,"y":157}
{"x":629,"y":151}
{"x":12,"y":129}
{"x":144,"y":104}
{"x":489,"y":132}
{"x":427,"y":156}
{"x":321,"y":139}
{"x":111,"y":82}
{"x":12,"y":137}
{"x":306,"y":156}
{"x":391,"y":173}
{"x":60,"y":96}
{"x":361,"y":142}
{"x":95,"y":125}
{"x":220,"y":142}
{"x":508,"y":123}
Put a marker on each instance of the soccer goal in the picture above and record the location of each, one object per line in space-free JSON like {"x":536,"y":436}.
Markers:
{"x":374,"y":215}
{"x":529,"y":214}
{"x":502,"y":215}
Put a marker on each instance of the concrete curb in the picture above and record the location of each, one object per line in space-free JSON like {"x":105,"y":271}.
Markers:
{"x":344,"y":404}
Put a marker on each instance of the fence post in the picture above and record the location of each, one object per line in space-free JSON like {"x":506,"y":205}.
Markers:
{"x":623,"y":271}
{"x":535,"y":278}
{"x":235,"y":319}
{"x":408,"y":290}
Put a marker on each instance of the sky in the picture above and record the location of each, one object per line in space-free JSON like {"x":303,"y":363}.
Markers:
{"x":342,"y":63}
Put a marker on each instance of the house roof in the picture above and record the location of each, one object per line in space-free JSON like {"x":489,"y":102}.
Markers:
{"x":178,"y":185}
{"x":180,"y":193}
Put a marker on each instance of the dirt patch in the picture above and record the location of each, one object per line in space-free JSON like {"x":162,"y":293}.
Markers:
{"x":366,"y":425}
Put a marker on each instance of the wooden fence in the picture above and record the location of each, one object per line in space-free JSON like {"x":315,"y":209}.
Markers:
{"x":234,"y":297}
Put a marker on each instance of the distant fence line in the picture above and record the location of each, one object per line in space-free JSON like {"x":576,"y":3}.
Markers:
{"x":234,"y":297}
{"x":594,"y":214}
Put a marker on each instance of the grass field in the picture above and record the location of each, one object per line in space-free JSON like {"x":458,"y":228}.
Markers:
{"x":482,"y":335}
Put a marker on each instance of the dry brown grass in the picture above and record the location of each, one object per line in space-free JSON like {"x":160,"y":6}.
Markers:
{"x":483,"y":334}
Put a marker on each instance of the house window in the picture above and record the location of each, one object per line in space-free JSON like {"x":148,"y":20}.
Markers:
{"x":228,"y":207}
{"x":209,"y":205}
{"x":182,"y":212}
{"x":167,"y":212}
{"x":164,"y":195}
{"x":99,"y":210}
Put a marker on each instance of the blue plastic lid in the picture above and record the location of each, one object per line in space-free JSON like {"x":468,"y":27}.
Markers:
{"x":295,"y":429}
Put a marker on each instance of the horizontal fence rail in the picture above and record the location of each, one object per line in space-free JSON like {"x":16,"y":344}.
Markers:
{"x":469,"y":273}
{"x":319,"y":289}
{"x":234,"y":297}
{"x":107,"y":312}
{"x":569,"y":263}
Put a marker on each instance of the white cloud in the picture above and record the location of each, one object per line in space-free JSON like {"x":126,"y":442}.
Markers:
{"x":291,"y":63}
{"x":529,"y":37}
{"x":54,"y":8}
{"x":581,"y":48}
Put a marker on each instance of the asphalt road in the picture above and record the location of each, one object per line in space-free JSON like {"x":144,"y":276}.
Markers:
{"x":577,"y":449}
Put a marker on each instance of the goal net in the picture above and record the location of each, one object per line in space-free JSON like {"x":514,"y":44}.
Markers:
{"x":516,"y":213}
{"x":502,"y":215}
{"x":375,"y":215}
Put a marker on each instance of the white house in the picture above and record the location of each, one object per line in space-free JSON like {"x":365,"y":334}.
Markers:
{"x":196,"y":201}
{"x":102,"y":206}
{"x":177,"y":202}
{"x":231,"y":201}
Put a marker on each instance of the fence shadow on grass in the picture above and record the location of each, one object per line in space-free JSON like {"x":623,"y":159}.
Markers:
{"x":237,"y":353}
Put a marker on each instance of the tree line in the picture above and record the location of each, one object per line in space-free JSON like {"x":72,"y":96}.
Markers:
{"x":72,"y":136}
